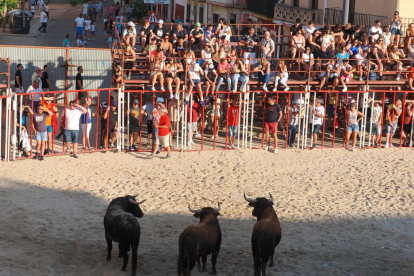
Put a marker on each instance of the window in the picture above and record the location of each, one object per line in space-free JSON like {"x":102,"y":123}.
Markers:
{"x":201,"y":15}
{"x":296,"y":3}
{"x":233,"y":18}
{"x":215,"y":18}
{"x":188,"y":17}
{"x":314,"y":4}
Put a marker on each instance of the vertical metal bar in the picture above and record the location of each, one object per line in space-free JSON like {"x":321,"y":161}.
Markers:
{"x":251,"y":122}
{"x":14,"y":126}
{"x":402,"y":119}
{"x":128,"y":108}
{"x":97,"y":120}
{"x":1,"y":127}
{"x":227,"y":120}
{"x":140,"y":121}
{"x":287,"y":119}
{"x":382,"y":116}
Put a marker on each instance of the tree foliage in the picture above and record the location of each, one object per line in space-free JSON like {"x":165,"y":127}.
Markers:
{"x":10,"y":4}
{"x":139,"y":9}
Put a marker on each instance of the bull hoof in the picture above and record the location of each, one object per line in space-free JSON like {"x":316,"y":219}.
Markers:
{"x":108,"y":259}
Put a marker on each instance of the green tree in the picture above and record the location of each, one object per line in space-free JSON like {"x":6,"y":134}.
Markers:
{"x":139,"y":9}
{"x":6,"y":5}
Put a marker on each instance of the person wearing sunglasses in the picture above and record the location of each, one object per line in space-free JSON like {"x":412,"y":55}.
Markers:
{"x":166,"y":46}
{"x":396,"y":23}
{"x":297,"y":44}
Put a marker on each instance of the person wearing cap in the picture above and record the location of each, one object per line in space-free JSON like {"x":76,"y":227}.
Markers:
{"x":163,"y":136}
{"x":86,"y":124}
{"x":134,"y":118}
{"x":197,"y":36}
{"x":318,"y":113}
{"x":70,"y":119}
{"x":129,"y":34}
{"x":111,"y":120}
{"x":35,"y":89}
{"x":160,"y":31}
{"x":178,"y":33}
{"x":195,"y":80}
{"x":40,"y":130}
{"x":51,"y":120}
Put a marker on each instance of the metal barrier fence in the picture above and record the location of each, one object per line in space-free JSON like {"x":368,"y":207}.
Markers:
{"x":24,"y":105}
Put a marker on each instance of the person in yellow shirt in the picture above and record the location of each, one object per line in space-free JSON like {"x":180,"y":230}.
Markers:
{"x":47,"y":104}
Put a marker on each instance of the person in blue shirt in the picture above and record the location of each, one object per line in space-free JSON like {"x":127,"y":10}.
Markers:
{"x":87,"y":117}
{"x":343,"y":54}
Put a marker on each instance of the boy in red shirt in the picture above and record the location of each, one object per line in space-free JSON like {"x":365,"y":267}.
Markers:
{"x":411,"y":78}
{"x":233,"y":121}
{"x":163,"y":136}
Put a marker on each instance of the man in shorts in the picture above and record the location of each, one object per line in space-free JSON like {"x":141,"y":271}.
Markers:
{"x":197,"y":36}
{"x":393,"y":113}
{"x":376,"y":123}
{"x":134,"y":118}
{"x":233,"y":121}
{"x":163,"y":136}
{"x":40,"y":130}
{"x":48,"y":105}
{"x":273,"y":115}
{"x":70,"y":119}
{"x":318,"y":112}
{"x":192,"y":118}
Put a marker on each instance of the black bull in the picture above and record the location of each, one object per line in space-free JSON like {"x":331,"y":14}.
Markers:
{"x":198,"y":241}
{"x":266,"y":233}
{"x":122,"y":226}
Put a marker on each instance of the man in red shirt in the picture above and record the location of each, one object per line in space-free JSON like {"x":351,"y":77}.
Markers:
{"x":233,"y":121}
{"x":163,"y":136}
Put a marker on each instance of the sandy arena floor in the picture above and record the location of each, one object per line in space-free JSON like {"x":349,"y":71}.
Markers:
{"x":341,"y":213}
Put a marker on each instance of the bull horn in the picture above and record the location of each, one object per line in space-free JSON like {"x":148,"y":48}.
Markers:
{"x":249,"y":199}
{"x":217,"y":209}
{"x":271,"y":198}
{"x":142,"y":201}
{"x":134,"y":196}
{"x":194,"y":211}
{"x":133,"y":202}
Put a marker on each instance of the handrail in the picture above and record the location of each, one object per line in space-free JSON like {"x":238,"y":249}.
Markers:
{"x":7,"y":74}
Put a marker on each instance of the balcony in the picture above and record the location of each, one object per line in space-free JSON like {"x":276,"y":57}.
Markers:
{"x":288,"y":13}
{"x":263,"y":7}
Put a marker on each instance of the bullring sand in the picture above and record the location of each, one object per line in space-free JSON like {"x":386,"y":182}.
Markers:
{"x":341,"y":213}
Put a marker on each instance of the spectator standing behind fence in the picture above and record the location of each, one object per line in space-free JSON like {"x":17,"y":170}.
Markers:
{"x":407,"y":123}
{"x":18,"y":78}
{"x":134,"y":119}
{"x":70,"y":119}
{"x":37,"y":75}
{"x":86,"y":124}
{"x":79,"y":83}
{"x":35,"y":88}
{"x":352,"y":125}
{"x":111,"y":115}
{"x":46,"y":85}
{"x":376,"y":123}
{"x":174,"y":115}
{"x":147,"y":111}
{"x":233,"y":121}
{"x":250,"y":40}
{"x":294,"y":113}
{"x":40,"y":130}
{"x":192,"y":118}
{"x":163,"y":136}
{"x":79,"y":24}
{"x":51,"y":121}
{"x":273,"y":115}
{"x":393,"y":113}
{"x":318,"y":112}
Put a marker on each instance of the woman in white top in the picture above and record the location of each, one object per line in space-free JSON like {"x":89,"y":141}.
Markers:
{"x":173,"y":68}
{"x":396,"y":23}
{"x":223,"y":29}
{"x":352,"y":125}
{"x":206,"y":56}
{"x":297,"y":44}
{"x":282,"y":76}
{"x":386,"y":35}
{"x":307,"y":60}
{"x":327,"y":40}
{"x":189,"y":57}
{"x":87,"y":27}
{"x":156,"y":68}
